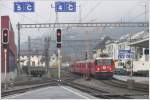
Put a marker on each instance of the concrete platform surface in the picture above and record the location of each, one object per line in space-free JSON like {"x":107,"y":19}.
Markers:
{"x":52,"y":92}
{"x":143,"y":80}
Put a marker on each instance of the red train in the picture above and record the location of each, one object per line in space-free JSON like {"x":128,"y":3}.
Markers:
{"x":102,"y":67}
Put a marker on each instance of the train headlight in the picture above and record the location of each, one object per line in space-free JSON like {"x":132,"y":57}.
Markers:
{"x":98,"y":69}
{"x":110,"y":68}
{"x":104,"y":67}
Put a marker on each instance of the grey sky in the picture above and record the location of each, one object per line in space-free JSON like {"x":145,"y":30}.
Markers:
{"x":92,"y":10}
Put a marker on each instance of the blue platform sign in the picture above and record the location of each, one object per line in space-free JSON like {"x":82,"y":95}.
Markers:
{"x":65,"y":6}
{"x":24,"y":7}
{"x":125,"y":54}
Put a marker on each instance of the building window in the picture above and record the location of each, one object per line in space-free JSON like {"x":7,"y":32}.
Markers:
{"x":33,"y":63}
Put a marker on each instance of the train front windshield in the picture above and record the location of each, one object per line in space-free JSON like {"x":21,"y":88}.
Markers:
{"x":103,"y":62}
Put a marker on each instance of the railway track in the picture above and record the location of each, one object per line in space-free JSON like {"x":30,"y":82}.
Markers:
{"x":96,"y":92}
{"x":123,"y":84}
{"x":68,"y":80}
{"x":23,"y":88}
{"x":103,"y":93}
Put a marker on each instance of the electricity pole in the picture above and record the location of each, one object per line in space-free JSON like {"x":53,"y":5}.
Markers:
{"x":29,"y":54}
{"x":18,"y":67}
{"x":5,"y":55}
{"x":131,"y":60}
{"x":46,"y":50}
{"x":80,"y":17}
{"x":87,"y":57}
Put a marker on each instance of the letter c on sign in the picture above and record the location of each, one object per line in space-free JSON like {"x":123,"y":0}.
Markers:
{"x":29,"y":7}
{"x":70,"y":7}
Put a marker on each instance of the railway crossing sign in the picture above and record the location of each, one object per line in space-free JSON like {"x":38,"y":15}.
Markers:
{"x":65,"y":6}
{"x":125,"y":54}
{"x":24,"y":7}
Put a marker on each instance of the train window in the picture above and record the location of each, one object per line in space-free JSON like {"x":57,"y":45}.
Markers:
{"x":104,"y":62}
{"x":95,"y":62}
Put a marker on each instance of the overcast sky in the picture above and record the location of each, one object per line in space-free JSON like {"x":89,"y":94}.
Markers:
{"x":91,"y":11}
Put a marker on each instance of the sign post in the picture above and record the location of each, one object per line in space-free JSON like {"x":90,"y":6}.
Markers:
{"x":58,"y":64}
{"x":5,"y":55}
{"x":58,"y":35}
{"x":5,"y":42}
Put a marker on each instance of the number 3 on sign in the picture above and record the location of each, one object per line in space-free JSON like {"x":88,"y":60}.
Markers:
{"x":18,"y":7}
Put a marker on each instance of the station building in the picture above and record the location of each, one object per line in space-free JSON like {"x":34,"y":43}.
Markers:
{"x":11,"y":55}
{"x":139,"y":45}
{"x":35,"y":61}
{"x":112,"y":49}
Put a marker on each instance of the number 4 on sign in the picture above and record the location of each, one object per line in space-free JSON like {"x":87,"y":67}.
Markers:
{"x":60,"y":7}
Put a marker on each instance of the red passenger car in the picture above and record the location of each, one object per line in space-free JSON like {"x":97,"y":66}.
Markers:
{"x":101,"y":67}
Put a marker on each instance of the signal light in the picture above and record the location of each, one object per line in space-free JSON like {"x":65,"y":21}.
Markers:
{"x":58,"y":45}
{"x":58,"y":35}
{"x":5,"y":36}
{"x":146,"y":51}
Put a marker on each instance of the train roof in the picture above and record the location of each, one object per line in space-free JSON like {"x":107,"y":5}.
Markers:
{"x":90,"y":60}
{"x":104,"y":58}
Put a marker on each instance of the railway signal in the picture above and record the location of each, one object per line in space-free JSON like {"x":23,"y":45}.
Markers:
{"x":58,"y":35}
{"x":58,"y":38}
{"x":5,"y":37}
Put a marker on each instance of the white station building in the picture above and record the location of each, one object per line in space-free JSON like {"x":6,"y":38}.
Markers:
{"x":138,"y":43}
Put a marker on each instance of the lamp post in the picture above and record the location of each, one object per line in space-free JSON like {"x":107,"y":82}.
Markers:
{"x":131,"y":60}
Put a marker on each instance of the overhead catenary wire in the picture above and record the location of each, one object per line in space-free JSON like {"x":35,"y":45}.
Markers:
{"x":140,"y":14}
{"x":92,"y":10}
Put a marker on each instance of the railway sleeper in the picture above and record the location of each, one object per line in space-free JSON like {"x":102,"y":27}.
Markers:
{"x":117,"y":96}
{"x":136,"y":87}
{"x":22,"y":90}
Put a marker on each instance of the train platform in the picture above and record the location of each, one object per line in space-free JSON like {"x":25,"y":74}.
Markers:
{"x":142,"y":80}
{"x":52,"y":92}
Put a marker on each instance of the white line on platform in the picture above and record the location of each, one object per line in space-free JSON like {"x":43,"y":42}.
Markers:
{"x":74,"y":92}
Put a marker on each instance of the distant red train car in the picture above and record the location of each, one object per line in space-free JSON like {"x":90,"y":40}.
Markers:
{"x":101,"y":67}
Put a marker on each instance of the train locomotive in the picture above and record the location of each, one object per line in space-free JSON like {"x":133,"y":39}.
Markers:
{"x":101,"y":67}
